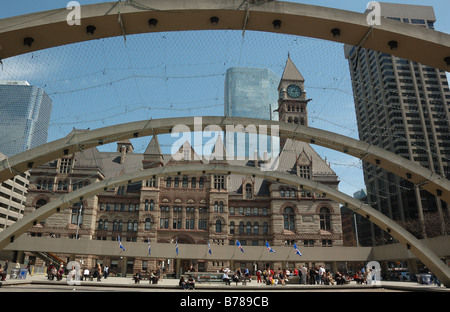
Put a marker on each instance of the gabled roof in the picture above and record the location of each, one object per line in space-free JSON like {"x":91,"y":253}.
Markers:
{"x":180,"y":154}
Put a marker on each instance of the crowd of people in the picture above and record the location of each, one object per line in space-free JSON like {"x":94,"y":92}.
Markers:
{"x":97,"y":272}
{"x":307,"y":276}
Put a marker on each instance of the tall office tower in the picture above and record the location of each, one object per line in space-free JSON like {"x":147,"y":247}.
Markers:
{"x":403,"y":107}
{"x":25,"y":112}
{"x":251,"y":93}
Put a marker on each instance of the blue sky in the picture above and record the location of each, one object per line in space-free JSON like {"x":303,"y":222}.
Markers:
{"x":106,"y":82}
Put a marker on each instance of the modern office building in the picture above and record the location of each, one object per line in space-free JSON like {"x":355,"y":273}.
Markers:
{"x":189,"y":209}
{"x":403,"y":107}
{"x":25,"y":113}
{"x":252,"y":93}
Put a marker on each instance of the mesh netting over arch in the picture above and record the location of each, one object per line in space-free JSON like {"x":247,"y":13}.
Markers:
{"x":176,"y":74}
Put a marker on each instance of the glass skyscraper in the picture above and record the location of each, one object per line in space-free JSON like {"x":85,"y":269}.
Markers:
{"x":251,"y":93}
{"x":25,"y":112}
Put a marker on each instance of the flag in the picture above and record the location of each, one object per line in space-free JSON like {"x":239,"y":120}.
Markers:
{"x":239,"y":246}
{"x":176,"y":245}
{"x":297,"y":251}
{"x":209,"y":249}
{"x":120,"y":243}
{"x":149,"y":247}
{"x":269,"y":249}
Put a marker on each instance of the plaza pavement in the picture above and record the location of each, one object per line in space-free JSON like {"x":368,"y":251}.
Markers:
{"x":128,"y":282}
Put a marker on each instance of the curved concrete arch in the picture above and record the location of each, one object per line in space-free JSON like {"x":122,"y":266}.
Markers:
{"x":51,"y":28}
{"x":422,"y":252}
{"x":408,"y":170}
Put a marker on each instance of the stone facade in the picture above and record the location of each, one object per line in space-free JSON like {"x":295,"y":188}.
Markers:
{"x":191,"y":209}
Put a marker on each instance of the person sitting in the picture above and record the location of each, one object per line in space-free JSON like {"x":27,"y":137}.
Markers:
{"x":236,"y":278}
{"x":154,"y":277}
{"x":226,"y":278}
{"x":182,"y":283}
{"x":339,"y":279}
{"x":59,"y":274}
{"x":191,"y":282}
{"x":137,"y":278}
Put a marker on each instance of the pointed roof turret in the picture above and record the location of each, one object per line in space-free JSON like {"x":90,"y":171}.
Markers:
{"x":153,"y":147}
{"x":291,"y":72}
{"x":153,"y":156}
{"x":219,"y":152}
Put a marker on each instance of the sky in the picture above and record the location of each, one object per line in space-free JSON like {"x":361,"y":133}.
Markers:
{"x":106,"y":82}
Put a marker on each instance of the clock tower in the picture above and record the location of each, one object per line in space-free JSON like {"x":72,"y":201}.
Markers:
{"x":292,"y":97}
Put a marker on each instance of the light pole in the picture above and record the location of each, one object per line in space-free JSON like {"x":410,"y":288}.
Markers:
{"x":78,"y":219}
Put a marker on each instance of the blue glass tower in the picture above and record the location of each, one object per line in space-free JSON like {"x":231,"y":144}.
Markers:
{"x":25,"y":113}
{"x":251,"y":93}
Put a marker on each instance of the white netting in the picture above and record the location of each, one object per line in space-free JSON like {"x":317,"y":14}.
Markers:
{"x":173,"y":74}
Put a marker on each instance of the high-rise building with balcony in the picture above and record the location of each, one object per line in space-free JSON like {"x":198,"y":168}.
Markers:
{"x":403,"y":107}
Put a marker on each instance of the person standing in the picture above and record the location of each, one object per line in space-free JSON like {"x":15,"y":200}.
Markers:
{"x":321,"y":275}
{"x":105,"y":272}
{"x":304,"y":272}
{"x":258,"y":276}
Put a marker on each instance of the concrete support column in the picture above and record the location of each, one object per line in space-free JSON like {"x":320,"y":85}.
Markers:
{"x":334,"y":267}
{"x":177,"y":267}
{"x":124,"y":266}
{"x":412,"y":267}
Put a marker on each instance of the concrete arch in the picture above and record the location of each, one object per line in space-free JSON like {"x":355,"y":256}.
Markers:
{"x":408,"y":170}
{"x":31,"y":32}
{"x":422,"y":252}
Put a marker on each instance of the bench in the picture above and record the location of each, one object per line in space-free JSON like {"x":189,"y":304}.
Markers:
{"x":245,"y":279}
{"x":203,"y":277}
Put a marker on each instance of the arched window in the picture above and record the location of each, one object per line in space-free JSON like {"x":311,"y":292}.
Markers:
{"x":282,"y":192}
{"x":152,"y":204}
{"x":146,"y":205}
{"x":325,"y":219}
{"x":248,"y":228}
{"x":193,"y":183}
{"x":265,"y":228}
{"x":288,"y":217}
{"x":100,"y":225}
{"x":218,"y":226}
{"x":241,"y":227}
{"x":248,"y":191}
{"x":120,"y":225}
{"x":168,"y":182}
{"x":115,"y":224}
{"x":231,"y":227}
{"x":77,"y":213}
{"x":256,"y":228}
{"x":216,"y":206}
{"x":105,"y":225}
{"x":129,"y":226}
{"x":40,"y":203}
{"x":147,"y":224}
{"x":135,"y":226}
{"x":221,"y":207}
{"x":201,"y":183}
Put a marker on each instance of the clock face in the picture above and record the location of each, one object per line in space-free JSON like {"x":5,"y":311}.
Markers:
{"x":294,"y":91}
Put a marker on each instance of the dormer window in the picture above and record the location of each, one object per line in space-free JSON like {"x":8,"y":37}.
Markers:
{"x":65,"y":165}
{"x":304,"y":172}
{"x":248,"y":191}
